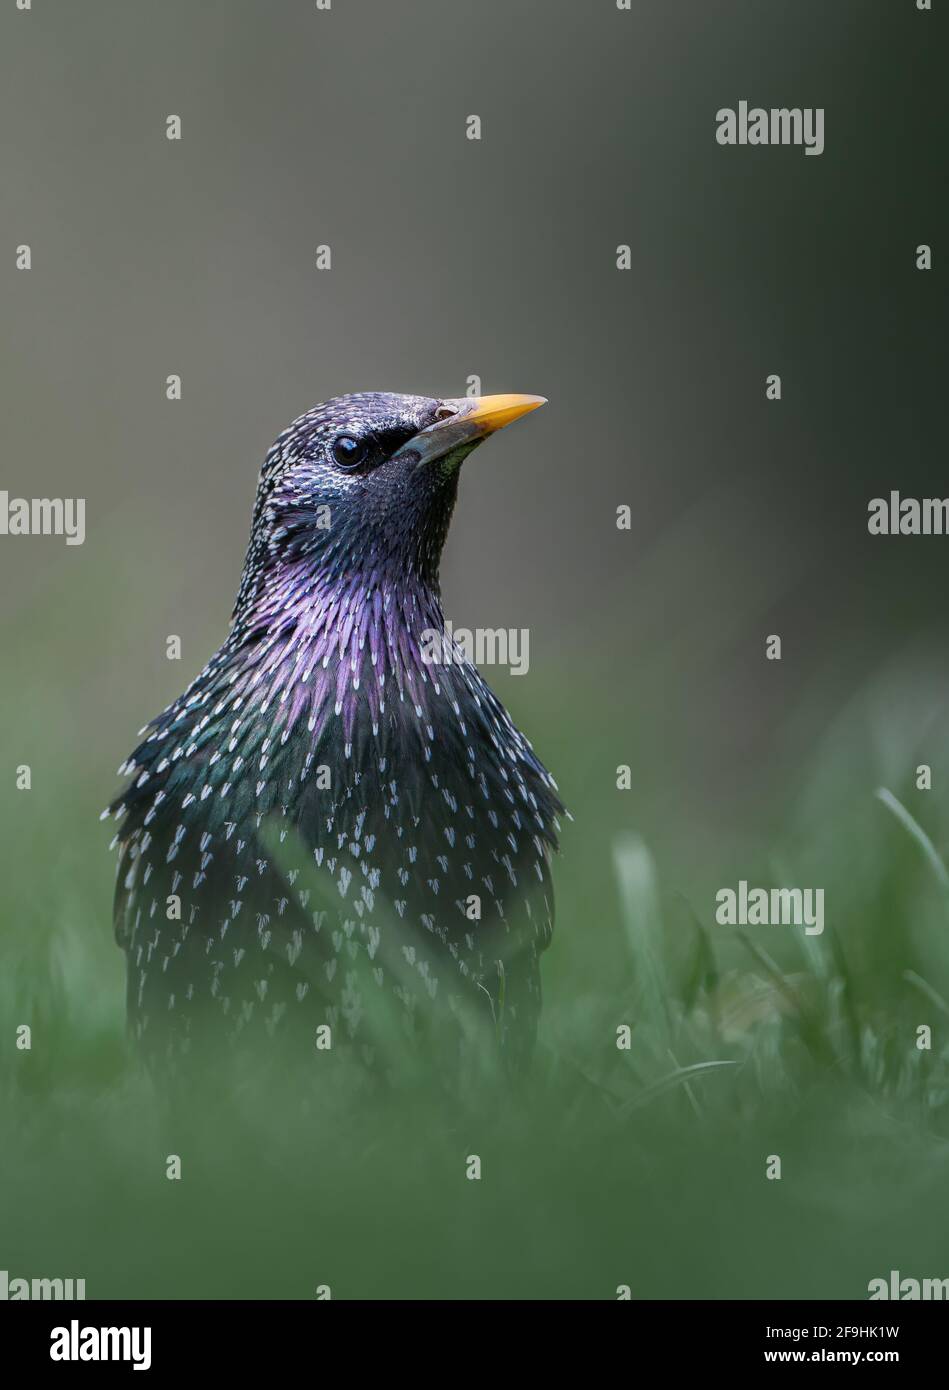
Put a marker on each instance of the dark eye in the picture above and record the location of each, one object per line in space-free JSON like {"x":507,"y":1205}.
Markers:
{"x":348,"y":451}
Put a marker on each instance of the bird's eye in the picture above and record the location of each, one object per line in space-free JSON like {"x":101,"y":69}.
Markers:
{"x":348,"y":451}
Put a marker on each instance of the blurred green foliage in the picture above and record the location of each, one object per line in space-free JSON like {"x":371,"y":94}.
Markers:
{"x":643,"y":1167}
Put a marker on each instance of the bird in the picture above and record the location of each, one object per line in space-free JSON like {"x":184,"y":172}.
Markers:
{"x":336,"y":836}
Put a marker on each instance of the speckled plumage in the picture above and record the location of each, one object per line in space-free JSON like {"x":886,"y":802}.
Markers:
{"x":322,"y":802}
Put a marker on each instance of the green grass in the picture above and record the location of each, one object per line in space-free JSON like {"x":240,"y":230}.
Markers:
{"x":643,"y":1167}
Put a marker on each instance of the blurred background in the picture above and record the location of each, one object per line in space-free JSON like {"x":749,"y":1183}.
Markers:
{"x":497,"y":258}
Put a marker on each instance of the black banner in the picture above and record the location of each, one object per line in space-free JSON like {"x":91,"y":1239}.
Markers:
{"x":162,"y":1338}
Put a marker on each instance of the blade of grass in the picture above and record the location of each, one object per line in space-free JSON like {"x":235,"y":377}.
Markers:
{"x":668,"y":1083}
{"x":639,"y":902}
{"x":919,"y":983}
{"x":918,"y":833}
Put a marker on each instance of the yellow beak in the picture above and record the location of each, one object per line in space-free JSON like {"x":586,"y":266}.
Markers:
{"x":492,"y":413}
{"x":463,"y":422}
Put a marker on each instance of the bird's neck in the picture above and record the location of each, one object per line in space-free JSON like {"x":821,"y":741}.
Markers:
{"x":323,"y":608}
{"x":339,"y":644}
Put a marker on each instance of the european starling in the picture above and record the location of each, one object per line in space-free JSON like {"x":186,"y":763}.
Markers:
{"x":338,"y":811}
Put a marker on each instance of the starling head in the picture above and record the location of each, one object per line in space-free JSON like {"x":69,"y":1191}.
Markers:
{"x":366,"y":484}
